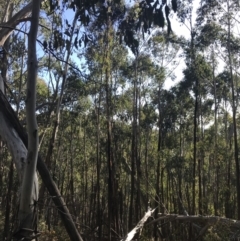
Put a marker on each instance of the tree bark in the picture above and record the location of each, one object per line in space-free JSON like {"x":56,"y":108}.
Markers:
{"x":15,"y":145}
{"x":234,"y":110}
{"x":6,"y":231}
{"x":29,"y":189}
{"x":14,"y":135}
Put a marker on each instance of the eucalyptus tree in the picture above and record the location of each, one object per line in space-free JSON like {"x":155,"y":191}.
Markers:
{"x":186,"y":17}
{"x":164,"y":55}
{"x":199,"y":72}
{"x":223,"y":81}
{"x":84,"y":11}
{"x":222,"y":13}
{"x":182,"y":131}
{"x":9,"y":65}
{"x":27,"y":215}
{"x":230,"y":51}
{"x":107,"y":106}
{"x":209,"y":37}
{"x":27,"y":224}
{"x":29,"y":188}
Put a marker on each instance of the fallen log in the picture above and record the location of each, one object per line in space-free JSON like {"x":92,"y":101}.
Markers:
{"x":203,"y":223}
{"x":198,"y":218}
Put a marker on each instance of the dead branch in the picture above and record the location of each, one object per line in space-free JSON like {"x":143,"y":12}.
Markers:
{"x":9,"y":26}
{"x":136,"y":232}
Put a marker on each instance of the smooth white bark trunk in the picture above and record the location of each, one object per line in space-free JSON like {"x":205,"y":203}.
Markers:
{"x":17,"y":150}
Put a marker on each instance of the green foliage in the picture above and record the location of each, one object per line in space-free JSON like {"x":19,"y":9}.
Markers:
{"x":114,"y":102}
{"x":42,"y":90}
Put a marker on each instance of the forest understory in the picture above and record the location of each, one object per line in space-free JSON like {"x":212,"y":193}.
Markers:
{"x":119,"y":120}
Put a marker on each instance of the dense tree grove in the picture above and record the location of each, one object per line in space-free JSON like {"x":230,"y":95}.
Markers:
{"x":111,"y":120}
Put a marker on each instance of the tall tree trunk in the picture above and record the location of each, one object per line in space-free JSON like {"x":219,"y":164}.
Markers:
{"x":13,"y":134}
{"x":138,"y":150}
{"x":195,"y":123}
{"x":112,"y":205}
{"x":134,"y":147}
{"x":215,"y":126}
{"x":56,"y":123}
{"x":195,"y":147}
{"x":29,"y":192}
{"x":147,"y":141}
{"x":6,"y":231}
{"x":99,"y":213}
{"x":200,"y":163}
{"x":157,"y":197}
{"x":234,"y":111}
